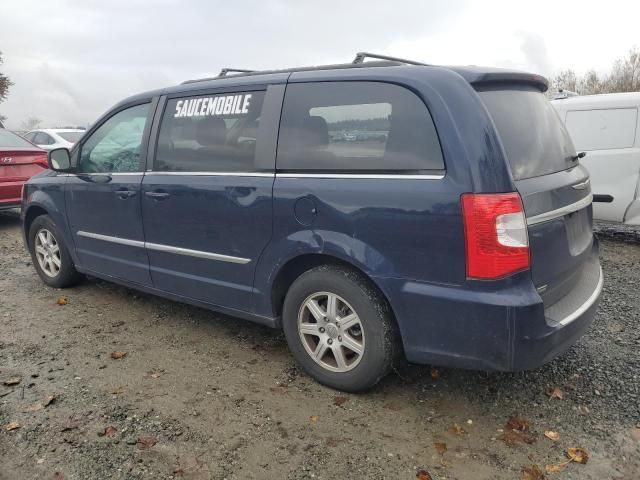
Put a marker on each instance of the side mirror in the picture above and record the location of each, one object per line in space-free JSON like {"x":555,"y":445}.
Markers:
{"x":59,"y":160}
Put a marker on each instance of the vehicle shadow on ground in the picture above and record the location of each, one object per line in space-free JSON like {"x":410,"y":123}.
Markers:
{"x":9,"y":219}
{"x":405,"y":379}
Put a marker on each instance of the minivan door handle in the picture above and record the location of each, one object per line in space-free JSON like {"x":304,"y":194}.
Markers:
{"x":158,"y":195}
{"x":125,"y":193}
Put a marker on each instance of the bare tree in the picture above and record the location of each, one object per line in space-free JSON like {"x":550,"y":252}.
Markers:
{"x":30,"y":123}
{"x":591,"y":84}
{"x":625,"y":76}
{"x":566,"y":80}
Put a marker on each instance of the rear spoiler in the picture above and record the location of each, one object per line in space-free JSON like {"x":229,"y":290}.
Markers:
{"x":537,"y":81}
{"x":482,"y":76}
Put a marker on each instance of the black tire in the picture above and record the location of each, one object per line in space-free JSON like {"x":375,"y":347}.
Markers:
{"x":67,"y":274}
{"x":381,"y":339}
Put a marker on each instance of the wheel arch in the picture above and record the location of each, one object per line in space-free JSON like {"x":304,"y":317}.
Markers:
{"x":300,"y":264}
{"x":33,"y":212}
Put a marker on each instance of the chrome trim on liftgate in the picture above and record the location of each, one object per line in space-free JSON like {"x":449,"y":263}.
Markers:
{"x":561,"y":212}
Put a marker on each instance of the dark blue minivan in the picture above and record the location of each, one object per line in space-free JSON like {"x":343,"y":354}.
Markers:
{"x":374,"y":211}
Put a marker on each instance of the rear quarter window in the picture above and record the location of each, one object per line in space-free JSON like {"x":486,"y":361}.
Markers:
{"x":602,"y":129}
{"x":11,"y":140}
{"x":356,"y":127}
{"x":534,"y":139}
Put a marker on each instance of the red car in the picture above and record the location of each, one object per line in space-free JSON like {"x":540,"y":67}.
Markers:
{"x":19,"y":160}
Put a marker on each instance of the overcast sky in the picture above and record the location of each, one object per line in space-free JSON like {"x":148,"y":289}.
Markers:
{"x":72,"y":60}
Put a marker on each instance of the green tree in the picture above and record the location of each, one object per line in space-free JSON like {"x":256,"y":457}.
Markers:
{"x":5,"y":83}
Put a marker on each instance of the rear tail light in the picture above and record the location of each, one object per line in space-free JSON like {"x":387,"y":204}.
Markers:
{"x":42,"y":161}
{"x":496,"y":237}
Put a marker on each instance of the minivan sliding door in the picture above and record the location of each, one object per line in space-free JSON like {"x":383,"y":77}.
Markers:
{"x":206,"y":198}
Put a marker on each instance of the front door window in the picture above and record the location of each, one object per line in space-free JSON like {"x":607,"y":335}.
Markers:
{"x":115,"y":146}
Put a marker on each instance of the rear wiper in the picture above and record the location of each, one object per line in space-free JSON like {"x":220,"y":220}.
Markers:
{"x":579,"y":156}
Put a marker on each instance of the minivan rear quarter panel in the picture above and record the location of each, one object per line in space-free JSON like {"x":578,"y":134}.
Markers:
{"x":407,"y":234}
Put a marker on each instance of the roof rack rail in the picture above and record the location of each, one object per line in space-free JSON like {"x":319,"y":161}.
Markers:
{"x":360,"y":56}
{"x":224,"y":71}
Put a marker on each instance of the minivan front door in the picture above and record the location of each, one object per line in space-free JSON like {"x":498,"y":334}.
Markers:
{"x":103,"y":197}
{"x":207,"y":199}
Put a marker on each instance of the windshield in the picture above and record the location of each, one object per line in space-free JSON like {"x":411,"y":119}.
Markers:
{"x":535,"y":140}
{"x":11,"y":140}
{"x":72,"y":137}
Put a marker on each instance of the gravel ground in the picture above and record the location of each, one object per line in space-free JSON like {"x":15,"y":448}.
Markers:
{"x":199,"y":395}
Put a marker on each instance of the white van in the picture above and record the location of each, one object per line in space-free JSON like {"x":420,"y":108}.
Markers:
{"x":605,"y":126}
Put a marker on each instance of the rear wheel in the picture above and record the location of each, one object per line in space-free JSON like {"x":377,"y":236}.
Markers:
{"x":50,"y":255}
{"x":339,"y":328}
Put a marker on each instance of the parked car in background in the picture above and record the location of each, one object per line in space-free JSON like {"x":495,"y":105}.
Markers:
{"x":19,"y":160}
{"x":460,"y":234}
{"x":1,"y":125}
{"x":606,"y":128}
{"x":50,"y":138}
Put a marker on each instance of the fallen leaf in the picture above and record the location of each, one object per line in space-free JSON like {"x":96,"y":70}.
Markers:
{"x":551,"y":435}
{"x":58,"y":476}
{"x":155,"y":375}
{"x":178,"y":472}
{"x":441,"y":447}
{"x":12,"y":426}
{"x":109,"y":431}
{"x":12,"y":381}
{"x":340,"y":400}
{"x":555,"y":392}
{"x":280,"y":389}
{"x":314,"y":418}
{"x":517,"y":429}
{"x":532,"y":472}
{"x":518,"y":423}
{"x":556,"y":467}
{"x":50,"y":399}
{"x":435,"y":373}
{"x":423,"y":475}
{"x":578,"y":455}
{"x":117,"y":355}
{"x":61,"y":301}
{"x":145,"y":442}
{"x":457,"y":429}
{"x":118,"y":390}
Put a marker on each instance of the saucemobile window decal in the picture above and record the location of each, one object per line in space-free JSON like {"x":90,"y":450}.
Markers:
{"x":213,"y":106}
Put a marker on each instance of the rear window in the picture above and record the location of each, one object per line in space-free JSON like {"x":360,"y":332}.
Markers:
{"x":602,"y":129}
{"x":356,"y":127}
{"x":535,"y":140}
{"x":72,"y":137}
{"x":11,"y":140}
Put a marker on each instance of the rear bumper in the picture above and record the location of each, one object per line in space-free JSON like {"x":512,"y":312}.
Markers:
{"x":492,"y":325}
{"x":9,"y":206}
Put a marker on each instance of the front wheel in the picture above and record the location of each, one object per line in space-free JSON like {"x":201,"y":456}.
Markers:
{"x":339,"y":328}
{"x":50,"y":255}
